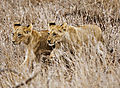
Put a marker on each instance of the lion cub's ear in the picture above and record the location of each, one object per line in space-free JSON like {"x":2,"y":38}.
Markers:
{"x":52,"y":24}
{"x":30,"y":26}
{"x":28,"y":29}
{"x":17,"y":24}
{"x":64,"y":25}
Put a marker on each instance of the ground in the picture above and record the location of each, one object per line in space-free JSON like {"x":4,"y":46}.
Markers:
{"x":90,"y":68}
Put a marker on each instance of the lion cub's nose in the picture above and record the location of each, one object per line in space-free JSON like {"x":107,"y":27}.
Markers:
{"x":49,"y":41}
{"x":13,"y":42}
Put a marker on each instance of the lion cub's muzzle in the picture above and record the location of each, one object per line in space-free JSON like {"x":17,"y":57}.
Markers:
{"x":49,"y":41}
{"x":50,"y":44}
{"x":15,"y":43}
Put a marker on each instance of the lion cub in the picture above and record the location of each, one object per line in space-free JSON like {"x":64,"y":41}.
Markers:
{"x":78,"y":35}
{"x":36,"y":42}
{"x":70,"y":35}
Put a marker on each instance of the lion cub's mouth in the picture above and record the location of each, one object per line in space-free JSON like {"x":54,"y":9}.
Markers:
{"x":51,"y":44}
{"x":16,"y":43}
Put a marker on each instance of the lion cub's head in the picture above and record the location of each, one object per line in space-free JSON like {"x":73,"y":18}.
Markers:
{"x":56,"y":33}
{"x":21,"y":33}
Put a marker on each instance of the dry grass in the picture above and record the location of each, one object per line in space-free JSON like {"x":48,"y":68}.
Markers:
{"x":90,"y":68}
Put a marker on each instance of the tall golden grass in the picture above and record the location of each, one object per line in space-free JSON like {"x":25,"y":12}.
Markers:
{"x":92,"y":67}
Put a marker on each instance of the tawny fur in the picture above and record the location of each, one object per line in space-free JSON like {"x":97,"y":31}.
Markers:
{"x":77,"y":35}
{"x":36,"y":42}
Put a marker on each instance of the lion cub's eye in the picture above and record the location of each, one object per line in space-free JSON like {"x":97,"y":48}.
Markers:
{"x":48,"y":33}
{"x":59,"y":30}
{"x":64,"y":29}
{"x":54,"y":34}
{"x":19,"y":35}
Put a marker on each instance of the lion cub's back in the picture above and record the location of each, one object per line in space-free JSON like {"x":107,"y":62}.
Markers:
{"x":44,"y":35}
{"x":94,"y":30}
{"x":44,"y":32}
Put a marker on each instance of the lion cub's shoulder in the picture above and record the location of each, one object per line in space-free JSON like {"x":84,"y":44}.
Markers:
{"x":44,"y":32}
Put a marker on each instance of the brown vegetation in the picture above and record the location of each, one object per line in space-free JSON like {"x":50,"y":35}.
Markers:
{"x":90,"y":68}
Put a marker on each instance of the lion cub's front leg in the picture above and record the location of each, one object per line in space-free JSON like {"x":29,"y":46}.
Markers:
{"x":26,"y":61}
{"x":28,"y":58}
